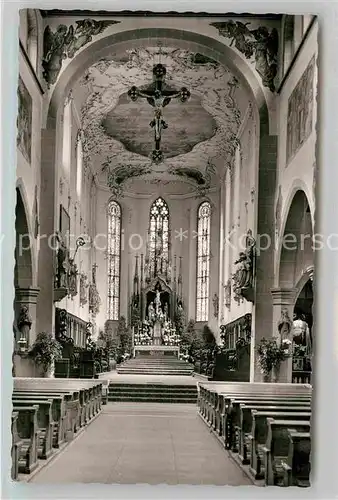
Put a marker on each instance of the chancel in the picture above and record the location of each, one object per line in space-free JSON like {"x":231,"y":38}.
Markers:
{"x":162,"y":163}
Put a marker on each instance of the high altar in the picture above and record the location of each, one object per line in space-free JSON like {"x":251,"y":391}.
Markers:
{"x":156,"y":299}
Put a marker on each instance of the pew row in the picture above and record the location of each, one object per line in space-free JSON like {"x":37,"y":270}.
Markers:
{"x":48,"y":413}
{"x":243,"y":416}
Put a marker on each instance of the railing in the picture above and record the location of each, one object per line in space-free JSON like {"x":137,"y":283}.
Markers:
{"x":301,"y":377}
{"x":71,"y":326}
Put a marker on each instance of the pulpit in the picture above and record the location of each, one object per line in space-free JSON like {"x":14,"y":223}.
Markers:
{"x":157,"y":333}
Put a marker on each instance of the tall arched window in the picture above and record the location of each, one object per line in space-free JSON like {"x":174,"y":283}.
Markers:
{"x":67,"y":135}
{"x":158,"y":237}
{"x":203,"y":261}
{"x":79,"y":165}
{"x":114,"y":254}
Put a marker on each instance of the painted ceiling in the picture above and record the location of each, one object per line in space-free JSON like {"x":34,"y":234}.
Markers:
{"x":201,"y":133}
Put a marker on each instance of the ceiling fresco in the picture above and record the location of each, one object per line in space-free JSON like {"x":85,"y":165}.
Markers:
{"x":188,"y":124}
{"x":201,"y":132}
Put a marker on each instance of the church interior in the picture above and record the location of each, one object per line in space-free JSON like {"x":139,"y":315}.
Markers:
{"x":164,"y":259}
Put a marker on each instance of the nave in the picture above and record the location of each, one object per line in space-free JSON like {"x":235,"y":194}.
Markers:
{"x":232,"y":433}
{"x":164,"y":322}
{"x":131,"y":443}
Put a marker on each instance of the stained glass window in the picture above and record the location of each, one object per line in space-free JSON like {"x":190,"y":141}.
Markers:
{"x":158,"y":237}
{"x":203,"y":261}
{"x":114,"y":253}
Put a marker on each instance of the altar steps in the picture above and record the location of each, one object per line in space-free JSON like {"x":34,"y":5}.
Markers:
{"x":152,"y":393}
{"x":155,"y":366}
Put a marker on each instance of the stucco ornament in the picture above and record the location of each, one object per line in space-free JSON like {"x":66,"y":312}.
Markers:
{"x":214,"y":91}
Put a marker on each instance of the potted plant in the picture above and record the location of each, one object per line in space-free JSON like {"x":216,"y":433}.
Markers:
{"x":44,"y":351}
{"x":270,"y":356}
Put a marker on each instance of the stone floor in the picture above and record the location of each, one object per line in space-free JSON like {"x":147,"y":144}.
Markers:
{"x":132,"y":443}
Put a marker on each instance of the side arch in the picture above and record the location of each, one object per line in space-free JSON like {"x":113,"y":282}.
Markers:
{"x":295,"y":253}
{"x":25,"y":258}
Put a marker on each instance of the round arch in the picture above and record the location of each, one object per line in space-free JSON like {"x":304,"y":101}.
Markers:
{"x":187,"y":40}
{"x":24,"y":275}
{"x":295,"y":257}
{"x":297,"y":185}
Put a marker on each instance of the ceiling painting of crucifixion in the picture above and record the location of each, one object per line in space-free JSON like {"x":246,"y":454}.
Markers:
{"x":121,"y":118}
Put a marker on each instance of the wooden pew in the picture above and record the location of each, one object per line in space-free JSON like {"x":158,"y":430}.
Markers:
{"x":259,"y":435}
{"x":59,"y":413}
{"x":232,"y":415}
{"x":44,"y":421}
{"x":297,"y":467}
{"x":210,"y":393}
{"x":16,"y":446}
{"x":276,"y":448}
{"x":244,"y":428}
{"x":90,"y":391}
{"x":72,"y":407}
{"x":28,"y":432}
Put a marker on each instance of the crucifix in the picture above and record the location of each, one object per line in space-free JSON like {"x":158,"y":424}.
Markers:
{"x":158,"y":98}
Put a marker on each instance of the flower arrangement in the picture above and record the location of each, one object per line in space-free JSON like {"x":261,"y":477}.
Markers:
{"x":270,"y":354}
{"x":45,"y":350}
{"x":144,"y":335}
{"x":184,"y":357}
{"x":170,"y":337}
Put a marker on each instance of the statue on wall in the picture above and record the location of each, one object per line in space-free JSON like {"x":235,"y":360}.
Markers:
{"x":244,"y":275}
{"x":62,"y":264}
{"x":227,"y":294}
{"x":215,"y":302}
{"x":72,"y":279}
{"x":301,"y":333}
{"x":24,"y":323}
{"x":284,"y":325}
{"x":83,"y":289}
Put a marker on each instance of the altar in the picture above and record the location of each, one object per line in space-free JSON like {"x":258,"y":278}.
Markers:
{"x":157,"y":351}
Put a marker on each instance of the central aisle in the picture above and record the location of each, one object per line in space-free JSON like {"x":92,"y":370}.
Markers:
{"x":144,"y":443}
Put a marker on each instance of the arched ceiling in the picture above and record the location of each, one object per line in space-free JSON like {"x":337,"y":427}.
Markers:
{"x":201,"y":133}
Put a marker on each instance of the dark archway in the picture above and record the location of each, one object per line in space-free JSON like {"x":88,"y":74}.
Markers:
{"x":23,"y":273}
{"x":297,"y":242}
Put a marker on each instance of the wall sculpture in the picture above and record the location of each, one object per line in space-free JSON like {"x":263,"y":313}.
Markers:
{"x":24,"y":121}
{"x":300,"y":111}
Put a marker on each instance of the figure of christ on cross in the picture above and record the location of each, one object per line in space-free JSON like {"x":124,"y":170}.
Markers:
{"x":158,"y":99}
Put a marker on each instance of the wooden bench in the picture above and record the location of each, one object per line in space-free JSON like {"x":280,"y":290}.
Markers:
{"x":59,"y":412}
{"x":70,"y":422}
{"x":238,"y":411}
{"x":276,"y":449}
{"x":210,"y":393}
{"x":296,"y":467}
{"x":259,"y":435}
{"x":241,"y":443}
{"x":16,"y":446}
{"x":44,"y":421}
{"x":231,"y":416}
{"x":90,"y":391}
{"x":27,"y":427}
